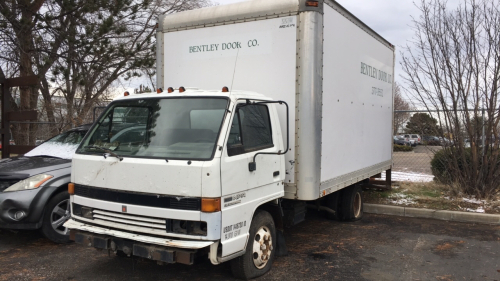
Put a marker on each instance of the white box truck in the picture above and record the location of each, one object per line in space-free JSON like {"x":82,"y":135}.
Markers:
{"x":264,"y":108}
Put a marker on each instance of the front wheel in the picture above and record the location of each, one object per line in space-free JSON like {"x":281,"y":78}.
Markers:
{"x":259,"y":255}
{"x":57,"y":212}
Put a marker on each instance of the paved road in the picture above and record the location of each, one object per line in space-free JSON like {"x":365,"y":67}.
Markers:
{"x":376,"y":248}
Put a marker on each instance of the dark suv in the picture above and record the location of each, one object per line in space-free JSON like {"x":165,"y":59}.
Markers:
{"x":33,"y":187}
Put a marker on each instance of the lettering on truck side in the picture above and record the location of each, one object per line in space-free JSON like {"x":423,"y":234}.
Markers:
{"x":234,"y":199}
{"x":233,"y":230}
{"x":375,"y":73}
{"x":222,"y":46}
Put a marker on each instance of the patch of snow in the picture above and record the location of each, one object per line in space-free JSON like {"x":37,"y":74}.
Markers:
{"x":478,"y":210}
{"x":403,"y":202}
{"x":401,"y":199}
{"x":411,"y":177}
{"x":54,"y":149}
{"x":474,"y":201}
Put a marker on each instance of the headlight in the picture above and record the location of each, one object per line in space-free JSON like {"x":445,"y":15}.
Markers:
{"x":29,"y":183}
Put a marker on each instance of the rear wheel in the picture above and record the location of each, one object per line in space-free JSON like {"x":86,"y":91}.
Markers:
{"x":57,"y":212}
{"x":259,"y":255}
{"x":351,"y":208}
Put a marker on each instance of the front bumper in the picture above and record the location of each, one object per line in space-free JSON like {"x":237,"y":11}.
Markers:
{"x":154,"y":248}
{"x":184,"y":244}
{"x":20,"y":201}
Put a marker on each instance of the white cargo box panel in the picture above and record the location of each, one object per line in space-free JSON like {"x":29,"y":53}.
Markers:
{"x":358,"y":71}
{"x":258,"y":56}
{"x":340,"y":102}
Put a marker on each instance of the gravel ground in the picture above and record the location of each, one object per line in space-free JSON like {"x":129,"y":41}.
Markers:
{"x":376,"y":248}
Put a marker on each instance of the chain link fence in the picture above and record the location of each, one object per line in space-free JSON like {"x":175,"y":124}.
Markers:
{"x":38,"y":131}
{"x":420,"y":135}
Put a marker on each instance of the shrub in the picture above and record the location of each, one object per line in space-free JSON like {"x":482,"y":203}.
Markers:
{"x":442,"y":167}
{"x":403,"y":148}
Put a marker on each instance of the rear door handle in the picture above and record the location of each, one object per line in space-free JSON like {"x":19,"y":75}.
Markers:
{"x":277,"y":173}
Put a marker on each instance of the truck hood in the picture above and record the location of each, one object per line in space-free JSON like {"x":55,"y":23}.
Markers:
{"x":175,"y":177}
{"x":24,"y":167}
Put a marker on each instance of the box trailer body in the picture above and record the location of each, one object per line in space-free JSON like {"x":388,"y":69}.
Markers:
{"x":334,"y":74}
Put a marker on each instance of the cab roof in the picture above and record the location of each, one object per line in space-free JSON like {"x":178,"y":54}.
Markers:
{"x":194,"y":92}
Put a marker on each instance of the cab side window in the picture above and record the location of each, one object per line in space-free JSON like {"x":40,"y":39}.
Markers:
{"x":250,"y":130}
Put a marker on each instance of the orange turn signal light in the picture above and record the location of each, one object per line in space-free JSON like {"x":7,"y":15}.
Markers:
{"x":312,"y":3}
{"x":126,"y":94}
{"x":159,"y":90}
{"x":182,"y":89}
{"x":42,"y":181}
{"x":225,"y":89}
{"x":71,"y":188}
{"x":210,"y":205}
{"x":170,"y":90}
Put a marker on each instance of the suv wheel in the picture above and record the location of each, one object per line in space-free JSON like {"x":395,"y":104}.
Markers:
{"x":57,"y":212}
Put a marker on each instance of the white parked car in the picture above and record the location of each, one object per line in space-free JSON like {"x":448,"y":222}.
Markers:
{"x":413,"y":139}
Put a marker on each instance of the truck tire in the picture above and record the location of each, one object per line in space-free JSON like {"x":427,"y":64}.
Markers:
{"x":259,"y":255}
{"x":57,"y":212}
{"x":351,"y":204}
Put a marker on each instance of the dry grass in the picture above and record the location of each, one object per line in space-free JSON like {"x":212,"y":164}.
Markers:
{"x":430,"y":195}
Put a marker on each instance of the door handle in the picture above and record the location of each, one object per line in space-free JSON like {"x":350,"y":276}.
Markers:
{"x":277,"y":173}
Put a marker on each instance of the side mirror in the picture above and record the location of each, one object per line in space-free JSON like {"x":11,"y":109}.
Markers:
{"x":252,"y":166}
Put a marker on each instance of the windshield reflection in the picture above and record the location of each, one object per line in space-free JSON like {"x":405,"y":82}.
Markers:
{"x":172,"y":128}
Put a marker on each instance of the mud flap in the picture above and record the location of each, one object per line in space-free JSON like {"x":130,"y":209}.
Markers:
{"x":281,"y":249}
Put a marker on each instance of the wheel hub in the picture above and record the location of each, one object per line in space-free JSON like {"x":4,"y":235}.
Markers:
{"x":60,"y":214}
{"x":262,"y":247}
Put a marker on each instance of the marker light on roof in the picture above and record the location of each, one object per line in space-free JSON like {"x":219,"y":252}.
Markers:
{"x":159,"y":90}
{"x":312,"y":3}
{"x":126,"y":94}
{"x":170,"y":90}
{"x":182,"y":89}
{"x":225,"y":89}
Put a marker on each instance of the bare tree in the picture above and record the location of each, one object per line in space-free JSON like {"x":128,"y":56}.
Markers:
{"x":453,"y":65}
{"x":400,"y":118}
{"x":118,"y":42}
{"x":78,"y":49}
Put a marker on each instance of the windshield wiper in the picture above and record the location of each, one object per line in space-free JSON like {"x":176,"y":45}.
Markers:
{"x":108,"y":151}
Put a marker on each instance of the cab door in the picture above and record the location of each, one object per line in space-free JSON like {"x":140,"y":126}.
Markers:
{"x":254,"y":129}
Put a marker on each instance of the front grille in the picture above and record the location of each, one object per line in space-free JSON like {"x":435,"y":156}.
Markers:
{"x":145,"y":224}
{"x":127,"y":219}
{"x":142,"y":199}
{"x":4,"y":184}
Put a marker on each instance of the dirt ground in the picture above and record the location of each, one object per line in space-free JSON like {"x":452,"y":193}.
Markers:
{"x":375,"y":248}
{"x":430,"y":195}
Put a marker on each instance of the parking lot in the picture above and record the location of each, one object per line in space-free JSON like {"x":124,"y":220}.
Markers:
{"x":416,"y":161}
{"x":375,"y":248}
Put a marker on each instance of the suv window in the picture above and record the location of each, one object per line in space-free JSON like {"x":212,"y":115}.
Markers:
{"x":414,"y":136}
{"x":250,"y":130}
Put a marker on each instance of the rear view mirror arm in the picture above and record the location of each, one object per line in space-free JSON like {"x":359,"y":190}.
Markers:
{"x":252,"y":166}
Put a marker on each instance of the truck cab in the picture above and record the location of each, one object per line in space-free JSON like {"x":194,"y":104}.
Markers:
{"x":176,"y":166}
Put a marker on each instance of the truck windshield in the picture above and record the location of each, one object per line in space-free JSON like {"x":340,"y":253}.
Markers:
{"x":171,"y":128}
